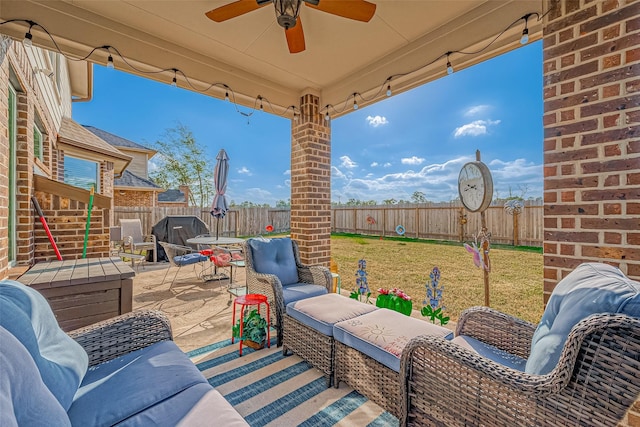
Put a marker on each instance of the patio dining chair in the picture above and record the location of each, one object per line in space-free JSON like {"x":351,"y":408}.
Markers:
{"x":579,"y":366}
{"x":273,"y":268}
{"x":134,"y":241}
{"x":180,"y":256}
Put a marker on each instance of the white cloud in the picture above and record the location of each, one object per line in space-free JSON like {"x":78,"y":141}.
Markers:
{"x":244,"y":171}
{"x":375,"y":121}
{"x":287,"y":172}
{"x":374,"y":164}
{"x":413,"y":160}
{"x":476,"y":110}
{"x":347,"y":162}
{"x":386,"y":165}
{"x":439,"y":181}
{"x":475,"y":128}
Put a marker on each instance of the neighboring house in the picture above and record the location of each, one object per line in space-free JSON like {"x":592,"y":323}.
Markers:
{"x":46,"y":155}
{"x":134,"y":188}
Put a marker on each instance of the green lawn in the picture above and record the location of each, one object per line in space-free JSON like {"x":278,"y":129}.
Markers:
{"x":516,"y":276}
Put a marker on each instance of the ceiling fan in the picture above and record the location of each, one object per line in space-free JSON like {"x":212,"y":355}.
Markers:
{"x":287,"y":13}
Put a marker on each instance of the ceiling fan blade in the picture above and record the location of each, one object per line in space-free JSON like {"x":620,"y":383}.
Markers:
{"x":295,"y":37}
{"x":234,"y":9}
{"x":360,"y":10}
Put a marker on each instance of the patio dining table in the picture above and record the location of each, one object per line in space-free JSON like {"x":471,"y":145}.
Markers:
{"x":224,"y":242}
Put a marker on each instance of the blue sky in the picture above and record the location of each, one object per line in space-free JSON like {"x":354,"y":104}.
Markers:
{"x":414,"y":141}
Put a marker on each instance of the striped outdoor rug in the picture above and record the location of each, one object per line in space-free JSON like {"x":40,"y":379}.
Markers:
{"x":268,"y":389}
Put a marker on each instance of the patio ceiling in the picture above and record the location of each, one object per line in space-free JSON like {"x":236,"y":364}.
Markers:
{"x":249,"y":53}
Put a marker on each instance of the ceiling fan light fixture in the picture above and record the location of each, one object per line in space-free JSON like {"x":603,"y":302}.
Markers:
{"x":287,"y":12}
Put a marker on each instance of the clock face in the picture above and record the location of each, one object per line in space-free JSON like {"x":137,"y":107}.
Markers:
{"x":475,"y":186}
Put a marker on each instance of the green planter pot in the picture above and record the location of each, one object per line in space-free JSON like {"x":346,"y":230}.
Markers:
{"x":395,"y":303}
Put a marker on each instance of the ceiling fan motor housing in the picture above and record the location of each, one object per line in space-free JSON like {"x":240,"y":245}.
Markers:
{"x":287,"y":12}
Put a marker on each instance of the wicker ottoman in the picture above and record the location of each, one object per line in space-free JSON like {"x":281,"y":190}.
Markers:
{"x":368,"y":350}
{"x":308,"y":327}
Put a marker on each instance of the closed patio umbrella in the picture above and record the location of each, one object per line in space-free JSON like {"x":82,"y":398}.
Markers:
{"x":219,"y":206}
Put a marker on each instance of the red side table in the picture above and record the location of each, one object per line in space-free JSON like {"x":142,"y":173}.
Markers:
{"x":249,"y":300}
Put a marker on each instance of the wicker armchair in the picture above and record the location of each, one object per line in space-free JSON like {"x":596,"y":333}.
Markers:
{"x":316,"y":279}
{"x":594,"y":382}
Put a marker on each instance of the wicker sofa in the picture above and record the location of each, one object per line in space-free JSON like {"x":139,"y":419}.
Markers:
{"x":579,"y":366}
{"x":123,"y":371}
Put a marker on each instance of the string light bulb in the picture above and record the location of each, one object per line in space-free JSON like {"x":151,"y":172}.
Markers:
{"x":226,"y":96}
{"x":28,"y":39}
{"x":110,"y":62}
{"x":525,"y":33}
{"x":449,"y":66}
{"x":327,"y":117}
{"x":174,"y":82}
{"x":355,"y":103}
{"x":389,"y":93}
{"x":261,"y":106}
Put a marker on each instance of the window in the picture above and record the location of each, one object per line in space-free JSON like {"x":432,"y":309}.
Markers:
{"x":38,"y":145}
{"x":81,"y":173}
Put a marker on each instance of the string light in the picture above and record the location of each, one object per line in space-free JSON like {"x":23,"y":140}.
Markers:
{"x":174,"y":82}
{"x":525,"y":33}
{"x":449,"y":66}
{"x":28,"y":37}
{"x":28,"y":41}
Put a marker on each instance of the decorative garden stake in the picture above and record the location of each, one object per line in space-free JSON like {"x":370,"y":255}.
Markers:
{"x":514,"y":207}
{"x":362,"y":292}
{"x":433,"y":307}
{"x":394,"y":299}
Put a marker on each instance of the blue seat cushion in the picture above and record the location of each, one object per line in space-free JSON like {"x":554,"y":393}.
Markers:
{"x":490,"y":352}
{"x":298,"y":291}
{"x":61,"y":361}
{"x":198,"y":405}
{"x":590,"y":289}
{"x":274,"y":256}
{"x":188,"y":259}
{"x":383,"y":334}
{"x":116,"y":390}
{"x":24,"y":398}
{"x":324,"y":311}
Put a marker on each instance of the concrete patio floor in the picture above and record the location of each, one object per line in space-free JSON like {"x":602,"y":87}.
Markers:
{"x":200,"y":311}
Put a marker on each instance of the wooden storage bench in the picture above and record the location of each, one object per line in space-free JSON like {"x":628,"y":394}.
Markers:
{"x":83,"y":291}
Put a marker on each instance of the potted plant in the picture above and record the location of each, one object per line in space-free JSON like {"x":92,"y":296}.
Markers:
{"x":254,"y":330}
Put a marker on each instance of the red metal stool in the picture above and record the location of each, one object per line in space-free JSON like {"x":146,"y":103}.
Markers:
{"x":249,"y":300}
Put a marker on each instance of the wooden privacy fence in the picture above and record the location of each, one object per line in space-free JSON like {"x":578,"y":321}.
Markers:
{"x":418,"y":221}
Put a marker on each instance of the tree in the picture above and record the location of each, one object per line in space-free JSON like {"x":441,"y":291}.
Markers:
{"x":182,"y":161}
{"x":418,"y":197}
{"x":283,"y":203}
{"x":389,"y":201}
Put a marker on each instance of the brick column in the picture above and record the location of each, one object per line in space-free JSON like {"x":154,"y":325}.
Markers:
{"x":592,"y":137}
{"x":311,"y":183}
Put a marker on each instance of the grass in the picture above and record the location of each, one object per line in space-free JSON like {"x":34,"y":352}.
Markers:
{"x":515,"y":281}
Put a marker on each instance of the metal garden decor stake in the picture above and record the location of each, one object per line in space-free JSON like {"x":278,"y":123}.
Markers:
{"x":514,"y":207}
{"x":362,"y":291}
{"x":433,"y":307}
{"x":475,"y":187}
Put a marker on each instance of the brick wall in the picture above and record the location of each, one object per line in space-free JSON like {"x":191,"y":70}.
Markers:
{"x":67,"y":221}
{"x":592,"y":139}
{"x":311,"y":183}
{"x":132,"y":198}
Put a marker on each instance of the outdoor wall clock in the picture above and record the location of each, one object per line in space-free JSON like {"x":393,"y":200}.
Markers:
{"x":475,"y":186}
